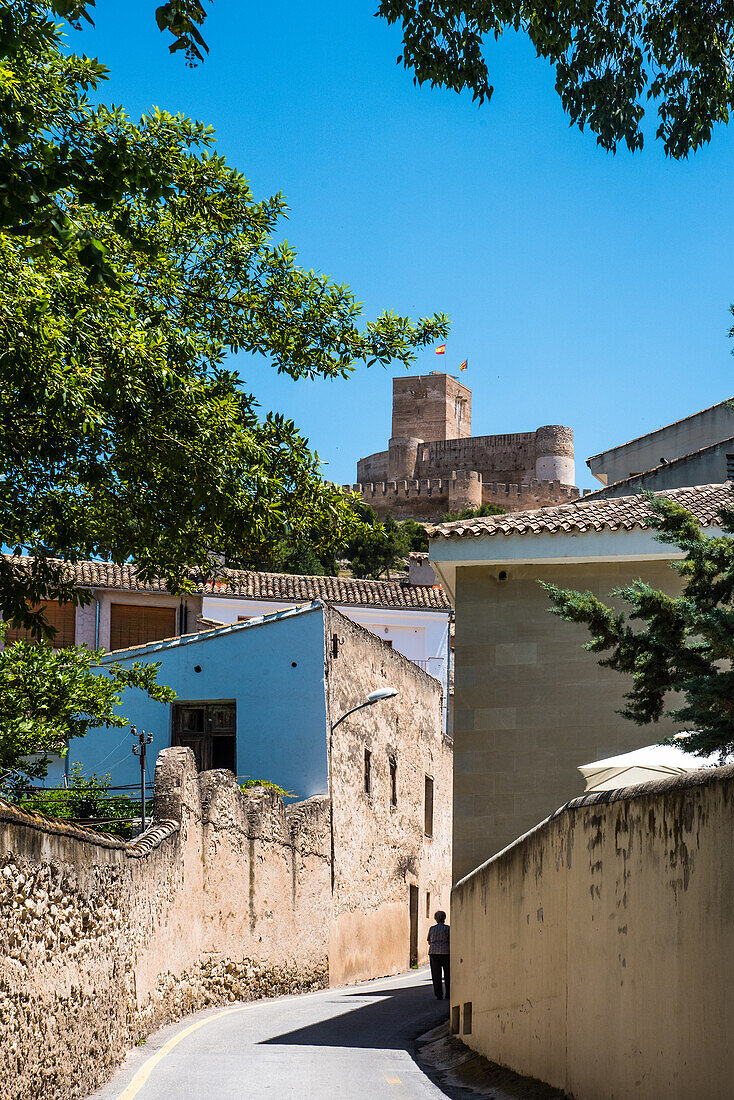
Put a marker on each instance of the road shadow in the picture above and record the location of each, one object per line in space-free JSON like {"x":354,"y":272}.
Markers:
{"x":392,"y":1022}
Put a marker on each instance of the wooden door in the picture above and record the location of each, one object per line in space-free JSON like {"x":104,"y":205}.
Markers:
{"x":413,"y":925}
{"x":210,"y":731}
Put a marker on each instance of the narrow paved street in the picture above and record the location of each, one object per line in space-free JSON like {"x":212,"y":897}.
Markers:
{"x":349,"y":1043}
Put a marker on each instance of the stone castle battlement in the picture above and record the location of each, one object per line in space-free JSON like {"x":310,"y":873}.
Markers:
{"x":432,"y":453}
{"x":432,"y":498}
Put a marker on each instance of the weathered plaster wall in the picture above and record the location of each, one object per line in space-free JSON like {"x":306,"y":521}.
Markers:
{"x":102,"y":941}
{"x":531,"y":704}
{"x":674,"y":440}
{"x":595,"y":952}
{"x":381,"y":850}
{"x":709,"y":466}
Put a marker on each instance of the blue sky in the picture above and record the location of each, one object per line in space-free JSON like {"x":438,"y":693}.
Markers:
{"x":585,"y":289}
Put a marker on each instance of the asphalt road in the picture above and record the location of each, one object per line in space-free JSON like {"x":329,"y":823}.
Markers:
{"x":338,"y":1043}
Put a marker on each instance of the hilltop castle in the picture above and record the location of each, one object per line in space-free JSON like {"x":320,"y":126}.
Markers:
{"x":433,"y":465}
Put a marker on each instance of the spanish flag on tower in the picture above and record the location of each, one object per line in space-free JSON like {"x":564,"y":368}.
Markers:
{"x":441,"y":349}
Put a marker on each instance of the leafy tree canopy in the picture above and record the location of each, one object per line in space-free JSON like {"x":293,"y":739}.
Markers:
{"x":132,"y":260}
{"x":474,"y":513}
{"x":609,"y":58}
{"x":379,"y":547}
{"x":677,"y":644}
{"x":48,"y":697}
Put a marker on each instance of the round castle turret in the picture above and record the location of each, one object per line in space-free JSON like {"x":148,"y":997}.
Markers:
{"x":402,"y":457}
{"x":554,"y":459}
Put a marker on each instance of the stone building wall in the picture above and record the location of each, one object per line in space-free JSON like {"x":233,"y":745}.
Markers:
{"x":101,"y":941}
{"x":594,"y":952}
{"x":381,"y":850}
{"x":432,"y":445}
{"x":431,"y":406}
{"x":431,"y":498}
{"x":530,"y":703}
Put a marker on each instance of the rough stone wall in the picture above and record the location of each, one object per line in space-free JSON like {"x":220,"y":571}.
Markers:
{"x":103,"y":941}
{"x":381,"y":850}
{"x":595,"y":951}
{"x":431,"y":407}
{"x":431,"y":498}
{"x":373,"y":467}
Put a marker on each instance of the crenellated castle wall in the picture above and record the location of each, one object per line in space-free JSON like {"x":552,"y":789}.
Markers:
{"x":432,"y":450}
{"x":431,"y":498}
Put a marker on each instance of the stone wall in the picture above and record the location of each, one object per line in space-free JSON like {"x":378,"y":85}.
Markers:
{"x":431,"y":498}
{"x":530,"y":703}
{"x":431,"y":406}
{"x":101,"y":941}
{"x":381,"y":849}
{"x":594,"y":952}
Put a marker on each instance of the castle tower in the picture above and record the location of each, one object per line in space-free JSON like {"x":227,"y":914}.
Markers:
{"x":434,"y":465}
{"x":430,"y":407}
{"x":554,"y":458}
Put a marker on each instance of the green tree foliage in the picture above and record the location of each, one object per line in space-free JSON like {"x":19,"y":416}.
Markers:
{"x":132,"y":260}
{"x":474,"y":513}
{"x":87,"y":800}
{"x":609,"y":59}
{"x":48,"y":697}
{"x":677,"y":644}
{"x":378,"y":547}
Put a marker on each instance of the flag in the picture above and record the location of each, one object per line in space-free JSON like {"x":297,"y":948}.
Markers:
{"x":464,"y":365}
{"x":441,"y":350}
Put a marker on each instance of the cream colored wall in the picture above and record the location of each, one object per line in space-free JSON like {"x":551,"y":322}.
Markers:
{"x":531,"y":704}
{"x":380,"y":850}
{"x":225,"y":899}
{"x":596,"y":951}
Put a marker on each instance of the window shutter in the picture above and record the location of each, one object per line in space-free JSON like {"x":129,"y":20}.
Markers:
{"x":137,"y":624}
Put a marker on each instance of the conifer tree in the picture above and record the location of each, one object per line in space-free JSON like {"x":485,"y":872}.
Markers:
{"x":670,"y":644}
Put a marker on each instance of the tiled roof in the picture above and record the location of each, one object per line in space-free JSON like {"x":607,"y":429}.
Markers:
{"x":278,"y":587}
{"x":339,"y":590}
{"x":613,"y":514}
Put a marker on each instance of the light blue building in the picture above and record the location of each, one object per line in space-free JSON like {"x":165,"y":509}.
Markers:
{"x":250,"y":697}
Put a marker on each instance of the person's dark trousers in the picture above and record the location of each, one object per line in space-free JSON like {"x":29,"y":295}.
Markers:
{"x":440,"y":964}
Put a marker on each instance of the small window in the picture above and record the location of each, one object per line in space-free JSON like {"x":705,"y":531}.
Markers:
{"x":455,"y":1014}
{"x":428,"y":903}
{"x":388,"y":642}
{"x":393,"y":781}
{"x":467,"y":1018}
{"x":730,"y":467}
{"x":428,"y":806}
{"x":367,"y":771}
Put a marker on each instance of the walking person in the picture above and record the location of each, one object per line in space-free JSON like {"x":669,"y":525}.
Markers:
{"x":438,"y":954}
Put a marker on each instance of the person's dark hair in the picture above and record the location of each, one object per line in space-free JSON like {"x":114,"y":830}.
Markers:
{"x":440,"y":916}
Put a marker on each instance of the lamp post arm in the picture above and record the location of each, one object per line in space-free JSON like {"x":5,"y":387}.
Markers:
{"x":360,"y":706}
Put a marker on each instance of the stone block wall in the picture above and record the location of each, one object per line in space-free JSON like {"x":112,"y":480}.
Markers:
{"x":101,"y":941}
{"x":430,"y":499}
{"x":594,"y":952}
{"x":381,"y":850}
{"x":531,"y":704}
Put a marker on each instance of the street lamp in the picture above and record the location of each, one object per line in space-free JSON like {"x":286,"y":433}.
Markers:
{"x":374,"y":697}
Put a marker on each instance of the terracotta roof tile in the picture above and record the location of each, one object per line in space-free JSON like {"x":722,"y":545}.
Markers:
{"x":277,"y":587}
{"x":612,"y":514}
